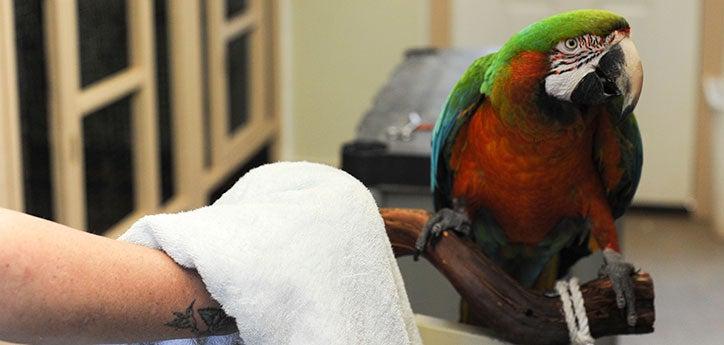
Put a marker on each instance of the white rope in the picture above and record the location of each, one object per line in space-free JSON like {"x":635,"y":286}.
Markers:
{"x":575,"y":312}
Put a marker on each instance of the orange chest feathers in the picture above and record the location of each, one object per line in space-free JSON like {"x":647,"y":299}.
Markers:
{"x":528,"y":185}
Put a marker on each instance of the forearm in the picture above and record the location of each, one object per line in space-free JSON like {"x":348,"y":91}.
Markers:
{"x":60,"y":285}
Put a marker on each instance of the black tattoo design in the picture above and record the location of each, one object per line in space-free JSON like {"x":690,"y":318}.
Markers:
{"x":215,"y":319}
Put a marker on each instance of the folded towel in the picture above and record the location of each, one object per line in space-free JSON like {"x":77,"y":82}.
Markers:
{"x":297,"y":253}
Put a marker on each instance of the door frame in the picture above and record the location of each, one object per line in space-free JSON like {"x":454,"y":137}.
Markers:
{"x":11,"y":164}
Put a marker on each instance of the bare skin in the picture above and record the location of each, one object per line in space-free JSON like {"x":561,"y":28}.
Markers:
{"x":59,"y":285}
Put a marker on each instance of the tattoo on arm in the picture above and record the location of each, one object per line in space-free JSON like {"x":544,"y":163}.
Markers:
{"x":215,"y":319}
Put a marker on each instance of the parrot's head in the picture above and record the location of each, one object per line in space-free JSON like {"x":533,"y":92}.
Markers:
{"x":585,"y":58}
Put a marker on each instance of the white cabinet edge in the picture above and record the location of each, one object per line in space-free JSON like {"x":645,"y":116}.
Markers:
{"x":439,"y":331}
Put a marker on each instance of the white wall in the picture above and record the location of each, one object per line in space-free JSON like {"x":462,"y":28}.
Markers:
{"x":667,"y":37}
{"x":718,"y":164}
{"x":335,"y":55}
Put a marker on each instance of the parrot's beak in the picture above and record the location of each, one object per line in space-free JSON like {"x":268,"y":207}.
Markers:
{"x":614,"y":81}
{"x":620,"y":73}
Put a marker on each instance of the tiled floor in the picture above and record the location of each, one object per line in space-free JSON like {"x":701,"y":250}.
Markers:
{"x":686,"y":262}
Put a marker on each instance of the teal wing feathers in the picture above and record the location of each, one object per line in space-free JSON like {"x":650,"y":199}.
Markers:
{"x":630,"y":163}
{"x":464,"y":94}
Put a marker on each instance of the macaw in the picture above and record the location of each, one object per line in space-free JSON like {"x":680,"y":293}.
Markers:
{"x":537,"y":151}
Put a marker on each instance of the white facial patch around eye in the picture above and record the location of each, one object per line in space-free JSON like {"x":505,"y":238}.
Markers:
{"x":561,"y":85}
{"x":569,"y":66}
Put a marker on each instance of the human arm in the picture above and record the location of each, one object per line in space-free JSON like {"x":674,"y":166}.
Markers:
{"x":59,"y":285}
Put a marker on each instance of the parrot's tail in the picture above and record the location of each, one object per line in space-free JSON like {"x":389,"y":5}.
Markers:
{"x":548,"y":276}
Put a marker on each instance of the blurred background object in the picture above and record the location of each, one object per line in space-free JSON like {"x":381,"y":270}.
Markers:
{"x":113,"y":109}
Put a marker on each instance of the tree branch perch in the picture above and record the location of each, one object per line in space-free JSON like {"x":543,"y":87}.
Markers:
{"x":515,"y":313}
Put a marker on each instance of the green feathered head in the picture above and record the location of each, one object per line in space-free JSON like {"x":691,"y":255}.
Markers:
{"x":591,"y":58}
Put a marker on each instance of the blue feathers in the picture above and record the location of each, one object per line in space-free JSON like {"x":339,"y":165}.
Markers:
{"x":465,"y":94}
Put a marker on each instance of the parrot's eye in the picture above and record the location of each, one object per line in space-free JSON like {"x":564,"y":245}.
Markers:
{"x":571,"y":44}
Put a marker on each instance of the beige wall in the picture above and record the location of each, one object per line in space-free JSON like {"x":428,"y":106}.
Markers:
{"x":335,"y":55}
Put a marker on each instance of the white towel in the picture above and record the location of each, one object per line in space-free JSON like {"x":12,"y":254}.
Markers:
{"x":297,"y":253}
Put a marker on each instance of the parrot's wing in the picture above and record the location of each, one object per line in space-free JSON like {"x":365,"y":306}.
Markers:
{"x":459,"y":106}
{"x":620,"y":176}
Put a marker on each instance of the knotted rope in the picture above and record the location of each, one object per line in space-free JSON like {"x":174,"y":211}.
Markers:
{"x":575,"y":312}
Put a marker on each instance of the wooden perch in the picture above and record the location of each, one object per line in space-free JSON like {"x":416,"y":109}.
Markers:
{"x":514,"y":313}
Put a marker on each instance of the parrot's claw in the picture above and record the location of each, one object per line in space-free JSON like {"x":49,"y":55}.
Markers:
{"x":444,"y":219}
{"x":551,"y":293}
{"x":620,"y":273}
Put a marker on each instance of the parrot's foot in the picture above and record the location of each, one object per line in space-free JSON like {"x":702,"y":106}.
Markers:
{"x":444,"y":219}
{"x":620,"y":273}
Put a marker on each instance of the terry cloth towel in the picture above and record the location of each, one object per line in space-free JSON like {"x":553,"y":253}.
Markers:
{"x":297,"y":253}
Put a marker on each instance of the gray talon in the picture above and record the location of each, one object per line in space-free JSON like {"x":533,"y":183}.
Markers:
{"x":620,"y":273}
{"x":632,"y":320}
{"x":444,"y":219}
{"x":551,"y":293}
{"x":620,"y":301}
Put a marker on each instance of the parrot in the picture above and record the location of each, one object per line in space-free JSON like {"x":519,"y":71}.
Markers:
{"x":537,"y":151}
